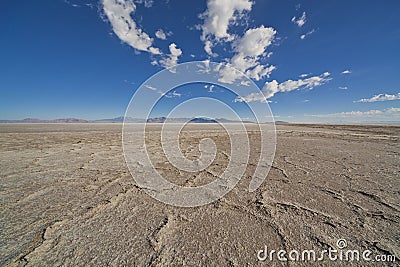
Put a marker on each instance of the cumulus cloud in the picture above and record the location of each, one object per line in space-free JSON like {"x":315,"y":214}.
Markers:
{"x":255,"y":41}
{"x":271,"y":88}
{"x":220,"y":15}
{"x":208,"y":48}
{"x":171,"y":59}
{"x":380,"y":97}
{"x":160,"y":34}
{"x":217,"y":19}
{"x":346,"y":72}
{"x":300,"y":21}
{"x":248,"y":51}
{"x":118,"y":13}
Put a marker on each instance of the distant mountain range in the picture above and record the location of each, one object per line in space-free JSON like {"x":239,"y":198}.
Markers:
{"x":120,"y":120}
{"x":190,"y":120}
{"x":34,"y":120}
{"x":127,"y":119}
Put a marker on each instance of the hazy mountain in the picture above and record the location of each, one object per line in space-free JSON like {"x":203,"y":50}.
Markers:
{"x":35,"y":120}
{"x":191,"y":120}
{"x":120,"y":120}
{"x":127,"y":119}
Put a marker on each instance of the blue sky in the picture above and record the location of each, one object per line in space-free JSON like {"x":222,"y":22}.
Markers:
{"x":335,"y":61}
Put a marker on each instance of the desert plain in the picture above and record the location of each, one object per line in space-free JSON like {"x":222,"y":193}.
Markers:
{"x":68,"y":198}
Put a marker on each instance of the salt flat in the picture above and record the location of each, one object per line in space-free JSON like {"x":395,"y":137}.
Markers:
{"x":68,"y":198}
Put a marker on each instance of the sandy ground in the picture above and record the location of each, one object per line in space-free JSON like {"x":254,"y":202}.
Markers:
{"x":67,"y":198}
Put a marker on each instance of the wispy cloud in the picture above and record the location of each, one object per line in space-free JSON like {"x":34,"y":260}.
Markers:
{"x":389,"y":112}
{"x":300,"y":21}
{"x":150,"y":87}
{"x":147,"y":3}
{"x":343,"y":87}
{"x":380,"y":97}
{"x":119,"y":14}
{"x":303,"y":36}
{"x":172,"y":94}
{"x":273,"y":87}
{"x":346,"y":72}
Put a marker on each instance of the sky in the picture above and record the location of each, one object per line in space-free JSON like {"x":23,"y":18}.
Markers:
{"x":313,"y":61}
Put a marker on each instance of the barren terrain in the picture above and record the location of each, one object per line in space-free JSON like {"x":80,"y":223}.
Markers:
{"x":67,"y":198}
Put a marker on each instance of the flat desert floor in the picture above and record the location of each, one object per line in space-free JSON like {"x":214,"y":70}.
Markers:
{"x":68,"y":199}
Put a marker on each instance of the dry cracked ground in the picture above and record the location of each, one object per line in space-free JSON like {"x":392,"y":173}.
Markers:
{"x":68,"y":199}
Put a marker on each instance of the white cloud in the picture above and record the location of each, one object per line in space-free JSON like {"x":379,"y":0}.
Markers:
{"x":217,"y":19}
{"x":161,"y":35}
{"x":229,"y":75}
{"x":369,"y":113}
{"x":172,"y":95}
{"x":252,"y":97}
{"x":303,"y":36}
{"x":220,"y":15}
{"x":300,"y":21}
{"x":346,"y":72}
{"x":343,"y":87}
{"x":260,"y":71}
{"x":273,"y":87}
{"x":118,"y":13}
{"x":380,"y":97}
{"x":245,"y":83}
{"x":172,"y":58}
{"x":204,"y":66}
{"x":393,"y":110}
{"x":147,"y":3}
{"x":150,"y":87}
{"x":255,"y":41}
{"x":208,"y":48}
{"x":249,"y":50}
{"x":304,"y":75}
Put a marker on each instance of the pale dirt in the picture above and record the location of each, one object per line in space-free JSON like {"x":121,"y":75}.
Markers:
{"x":68,"y":199}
